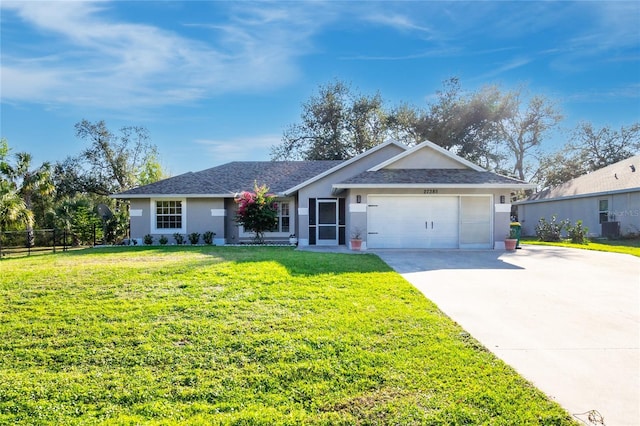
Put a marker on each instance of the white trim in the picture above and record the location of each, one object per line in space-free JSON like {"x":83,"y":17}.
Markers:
{"x":170,"y":196}
{"x":432,"y":185}
{"x":344,"y":164}
{"x":502,"y":208}
{"x":218,"y":212}
{"x":152,"y":215}
{"x":303,"y":211}
{"x":135,"y":212}
{"x":357,"y":208}
{"x":427,"y":144}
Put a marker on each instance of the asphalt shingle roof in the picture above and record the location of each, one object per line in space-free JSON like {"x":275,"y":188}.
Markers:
{"x":615,"y":177}
{"x":237,"y":176}
{"x":430,"y":176}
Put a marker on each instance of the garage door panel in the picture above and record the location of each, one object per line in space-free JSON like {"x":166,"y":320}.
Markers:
{"x":412,"y":222}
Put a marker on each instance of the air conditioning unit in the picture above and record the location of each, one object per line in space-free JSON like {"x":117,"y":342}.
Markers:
{"x":610,"y":229}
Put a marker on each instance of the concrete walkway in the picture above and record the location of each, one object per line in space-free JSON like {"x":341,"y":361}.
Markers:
{"x":568,"y":320}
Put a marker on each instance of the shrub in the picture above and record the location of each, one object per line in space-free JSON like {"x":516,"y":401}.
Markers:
{"x":163,"y":240}
{"x":257,"y":211}
{"x":179,"y":238}
{"x":550,"y":230}
{"x":208,"y":237}
{"x":577,"y":233}
{"x":194,"y":237}
{"x":148,"y":239}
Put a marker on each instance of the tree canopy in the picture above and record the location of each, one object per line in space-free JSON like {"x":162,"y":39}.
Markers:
{"x":588,"y":150}
{"x":499,"y":130}
{"x":113,"y":162}
{"x":336,"y":124}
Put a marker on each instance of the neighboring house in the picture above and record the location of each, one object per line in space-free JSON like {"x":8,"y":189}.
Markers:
{"x":607,"y":201}
{"x":394,"y":196}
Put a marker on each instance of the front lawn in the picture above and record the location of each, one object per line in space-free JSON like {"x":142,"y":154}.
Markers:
{"x":629,"y":246}
{"x":214,"y":335}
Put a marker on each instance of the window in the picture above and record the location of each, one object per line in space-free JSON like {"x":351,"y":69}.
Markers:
{"x":284,"y":218}
{"x":603,"y":206}
{"x":168,"y":214}
{"x":284,"y":225}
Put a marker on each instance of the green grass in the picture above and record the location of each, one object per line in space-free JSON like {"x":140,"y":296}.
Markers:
{"x":244,"y":336}
{"x":630,"y":246}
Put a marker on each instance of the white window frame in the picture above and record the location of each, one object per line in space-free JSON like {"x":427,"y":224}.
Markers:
{"x":168,"y":231}
{"x":601,"y":212}
{"x":292,"y":219}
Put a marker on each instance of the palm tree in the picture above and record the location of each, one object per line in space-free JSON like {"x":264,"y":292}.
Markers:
{"x":12,"y":210}
{"x":26,"y":183}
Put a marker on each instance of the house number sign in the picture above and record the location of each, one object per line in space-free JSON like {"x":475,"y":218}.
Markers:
{"x":430,"y":191}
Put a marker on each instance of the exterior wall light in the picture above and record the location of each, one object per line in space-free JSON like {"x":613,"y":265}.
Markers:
{"x":358,"y":199}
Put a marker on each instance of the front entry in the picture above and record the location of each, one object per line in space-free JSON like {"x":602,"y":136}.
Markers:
{"x":327,"y":227}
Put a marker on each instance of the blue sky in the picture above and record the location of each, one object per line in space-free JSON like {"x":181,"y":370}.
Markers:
{"x":220,"y":81}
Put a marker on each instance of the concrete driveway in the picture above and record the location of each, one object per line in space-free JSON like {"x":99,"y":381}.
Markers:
{"x":567,"y":320}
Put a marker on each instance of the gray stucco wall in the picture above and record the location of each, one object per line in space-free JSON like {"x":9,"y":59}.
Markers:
{"x":202,"y":215}
{"x":623,"y":207}
{"x":323,"y":187}
{"x":140,"y":225}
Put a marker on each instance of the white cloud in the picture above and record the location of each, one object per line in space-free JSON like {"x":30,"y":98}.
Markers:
{"x":89,"y":59}
{"x":398,"y":22}
{"x":248,"y":148}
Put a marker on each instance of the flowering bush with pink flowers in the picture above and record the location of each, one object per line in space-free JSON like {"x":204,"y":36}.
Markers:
{"x":257,"y":211}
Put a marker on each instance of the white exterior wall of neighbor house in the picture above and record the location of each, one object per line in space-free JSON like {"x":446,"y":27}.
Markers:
{"x":623,"y":207}
{"x":626,"y":210}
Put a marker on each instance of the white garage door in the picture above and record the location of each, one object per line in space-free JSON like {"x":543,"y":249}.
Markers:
{"x":412,"y":221}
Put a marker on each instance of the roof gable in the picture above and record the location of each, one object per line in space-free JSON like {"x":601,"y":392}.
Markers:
{"x":427,"y":155}
{"x":347,"y":163}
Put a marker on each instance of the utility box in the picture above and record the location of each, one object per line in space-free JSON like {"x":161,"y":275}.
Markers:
{"x":610,"y":229}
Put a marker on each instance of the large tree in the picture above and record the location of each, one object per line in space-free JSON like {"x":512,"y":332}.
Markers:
{"x":524,"y":129}
{"x":598,"y":148}
{"x":589,"y":149}
{"x":499,"y":130}
{"x":112,"y":162}
{"x":21,"y":180}
{"x":336,"y":124}
{"x":469,"y":123}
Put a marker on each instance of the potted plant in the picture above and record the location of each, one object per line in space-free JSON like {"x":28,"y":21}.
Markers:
{"x":512,"y":240}
{"x":293,"y":240}
{"x":356,"y":240}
